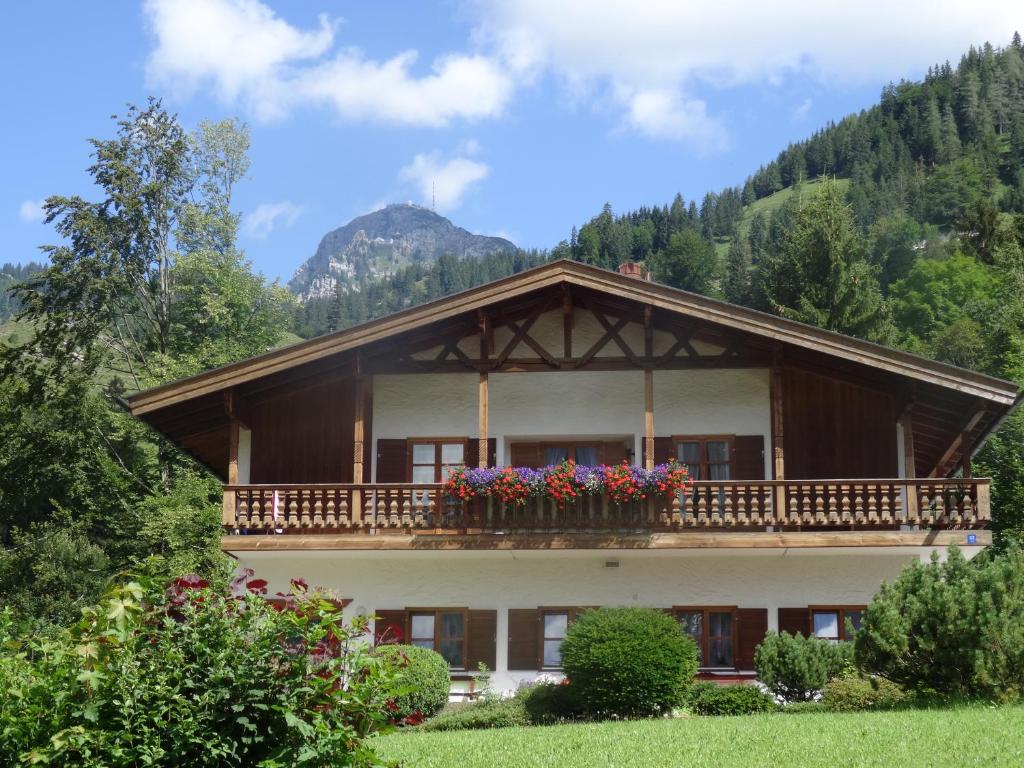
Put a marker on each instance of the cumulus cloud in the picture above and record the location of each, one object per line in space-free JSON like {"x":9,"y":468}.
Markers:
{"x":444,"y":182}
{"x":31,"y":211}
{"x":653,"y":59}
{"x":250,"y":55}
{"x":269,"y":216}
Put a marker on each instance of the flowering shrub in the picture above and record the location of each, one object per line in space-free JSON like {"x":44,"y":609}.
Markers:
{"x":195,"y":675}
{"x":566,"y":482}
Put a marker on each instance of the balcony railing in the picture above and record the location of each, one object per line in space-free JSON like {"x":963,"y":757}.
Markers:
{"x":729,"y":505}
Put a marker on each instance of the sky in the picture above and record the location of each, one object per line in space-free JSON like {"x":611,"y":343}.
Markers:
{"x":518,"y":118}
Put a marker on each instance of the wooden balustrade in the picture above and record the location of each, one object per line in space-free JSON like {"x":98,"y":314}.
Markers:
{"x":722,"y":505}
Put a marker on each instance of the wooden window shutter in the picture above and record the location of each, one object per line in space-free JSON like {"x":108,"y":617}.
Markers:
{"x":664,"y":450}
{"x":748,"y":457}
{"x":482,"y":639}
{"x":523,"y":639}
{"x":526,"y":455}
{"x":389,"y":627}
{"x":613,"y":453}
{"x":753,"y":626}
{"x":492,"y":451}
{"x":796,"y":621}
{"x":392,"y":461}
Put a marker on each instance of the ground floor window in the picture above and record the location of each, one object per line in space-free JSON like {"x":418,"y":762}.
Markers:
{"x":554,"y":626}
{"x":441,"y":630}
{"x":836,"y":623}
{"x":714,"y":632}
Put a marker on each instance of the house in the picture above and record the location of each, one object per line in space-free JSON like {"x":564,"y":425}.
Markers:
{"x":821,"y":465}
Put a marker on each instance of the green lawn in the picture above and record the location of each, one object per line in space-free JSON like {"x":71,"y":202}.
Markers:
{"x":974,"y":736}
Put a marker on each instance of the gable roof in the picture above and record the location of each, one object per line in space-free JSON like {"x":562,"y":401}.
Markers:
{"x":1000,"y":393}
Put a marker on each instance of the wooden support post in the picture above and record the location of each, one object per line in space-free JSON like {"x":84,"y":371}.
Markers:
{"x":228,"y":512}
{"x":649,"y":418}
{"x":965,"y":458}
{"x":909,"y":462}
{"x":567,"y":323}
{"x":484,"y":415}
{"x":360,"y":388}
{"x":778,"y":429}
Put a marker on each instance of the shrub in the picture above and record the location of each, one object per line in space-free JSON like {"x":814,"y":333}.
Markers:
{"x":795,"y":667}
{"x":493,"y":712}
{"x":955,"y":628}
{"x":628,"y":661}
{"x":548,"y":703}
{"x":194,"y":676}
{"x":802,"y":708}
{"x":853,"y":693}
{"x":425,"y":680}
{"x":713,"y":699}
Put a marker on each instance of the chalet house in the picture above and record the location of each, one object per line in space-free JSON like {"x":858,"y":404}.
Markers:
{"x":821,"y":466}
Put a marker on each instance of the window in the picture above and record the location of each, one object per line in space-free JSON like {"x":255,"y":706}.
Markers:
{"x":588,"y":454}
{"x":554,"y":623}
{"x":443,"y":631}
{"x":432,"y":460}
{"x":713,"y":630}
{"x":835,"y":624}
{"x":706,"y":458}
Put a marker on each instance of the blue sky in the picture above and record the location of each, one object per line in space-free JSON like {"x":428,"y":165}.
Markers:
{"x":525,"y":115}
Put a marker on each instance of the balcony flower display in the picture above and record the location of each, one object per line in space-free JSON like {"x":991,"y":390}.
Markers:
{"x":566,"y":482}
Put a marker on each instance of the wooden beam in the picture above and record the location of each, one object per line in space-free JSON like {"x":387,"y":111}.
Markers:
{"x":567,"y":322}
{"x":778,"y":429}
{"x":958,"y":442}
{"x":648,"y":331}
{"x":909,"y":457}
{"x":484,"y":415}
{"x":649,"y":418}
{"x":228,"y":512}
{"x":363,"y":386}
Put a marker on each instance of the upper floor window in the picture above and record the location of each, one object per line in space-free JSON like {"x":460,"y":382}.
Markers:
{"x":588,"y":454}
{"x":432,"y":460}
{"x":706,"y":457}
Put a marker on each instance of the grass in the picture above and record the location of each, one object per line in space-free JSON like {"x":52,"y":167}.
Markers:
{"x":968,"y":736}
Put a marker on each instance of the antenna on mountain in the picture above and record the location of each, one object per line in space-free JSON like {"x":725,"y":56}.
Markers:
{"x":433,"y":196}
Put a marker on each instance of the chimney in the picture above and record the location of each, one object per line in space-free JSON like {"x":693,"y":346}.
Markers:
{"x":633,"y":269}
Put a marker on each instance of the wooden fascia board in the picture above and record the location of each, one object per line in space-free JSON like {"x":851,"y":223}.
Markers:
{"x":586,"y":276}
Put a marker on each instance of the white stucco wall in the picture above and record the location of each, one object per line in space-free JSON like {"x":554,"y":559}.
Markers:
{"x":597,"y":404}
{"x":530,"y":579}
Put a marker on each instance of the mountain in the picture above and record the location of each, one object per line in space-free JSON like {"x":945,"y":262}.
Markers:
{"x":378,"y":244}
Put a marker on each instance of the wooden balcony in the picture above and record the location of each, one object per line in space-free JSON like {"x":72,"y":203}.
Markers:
{"x":741,"y":506}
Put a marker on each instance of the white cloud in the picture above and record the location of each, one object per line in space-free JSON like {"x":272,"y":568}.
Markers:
{"x":801,"y":112}
{"x":249,"y":54}
{"x":443,"y":182}
{"x":653,"y":59}
{"x":268,"y":216}
{"x":31,"y":211}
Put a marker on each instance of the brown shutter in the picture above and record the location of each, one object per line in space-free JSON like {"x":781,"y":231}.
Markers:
{"x":392,"y":461}
{"x":389,"y":627}
{"x":523,"y":639}
{"x":492,"y":452}
{"x":526,"y":455}
{"x":748,"y":457}
{"x":613,"y":453}
{"x":482,"y":639}
{"x":796,"y":621}
{"x":753,"y":625}
{"x":664,"y":450}
{"x":472,"y":454}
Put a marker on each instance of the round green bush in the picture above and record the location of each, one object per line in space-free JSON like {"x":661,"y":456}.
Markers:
{"x":714,"y":699}
{"x":854,"y":693}
{"x":628,"y":662}
{"x":548,"y":703}
{"x":796,"y":668}
{"x":425,"y":673}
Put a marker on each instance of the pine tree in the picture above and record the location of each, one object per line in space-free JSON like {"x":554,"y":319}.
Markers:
{"x":736,"y":277}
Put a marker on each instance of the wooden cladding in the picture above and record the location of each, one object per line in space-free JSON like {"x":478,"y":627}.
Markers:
{"x":712,"y":505}
{"x":834,"y":428}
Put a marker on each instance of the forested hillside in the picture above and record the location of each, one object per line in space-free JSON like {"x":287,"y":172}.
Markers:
{"x":11,"y":274}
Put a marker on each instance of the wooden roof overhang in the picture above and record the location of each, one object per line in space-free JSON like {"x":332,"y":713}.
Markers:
{"x":953,"y":409}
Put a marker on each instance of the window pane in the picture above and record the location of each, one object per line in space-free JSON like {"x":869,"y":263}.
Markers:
{"x":556,"y":455}
{"x":555,"y":625}
{"x":552,"y":653}
{"x":423,"y":626}
{"x":586,"y":454}
{"x":452,"y":633}
{"x":423,"y":453}
{"x":452,"y":453}
{"x":854,"y":619}
{"x":451,"y":650}
{"x":826,"y":624}
{"x":692,"y":623}
{"x":688,"y":453}
{"x":424,"y":643}
{"x":718,"y":450}
{"x":720,"y":639}
{"x":718,"y":471}
{"x":423,"y":474}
